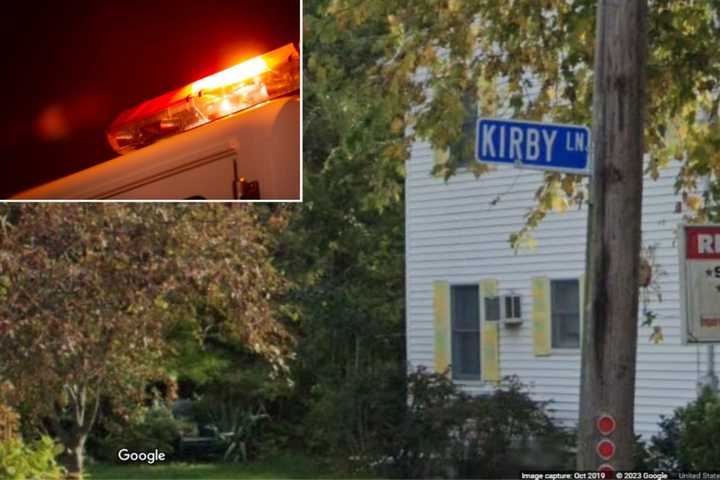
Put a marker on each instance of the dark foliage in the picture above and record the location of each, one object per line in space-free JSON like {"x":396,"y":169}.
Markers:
{"x":447,"y":432}
{"x":690,"y":439}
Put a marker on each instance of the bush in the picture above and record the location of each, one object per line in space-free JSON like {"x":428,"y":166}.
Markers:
{"x":244,"y":408}
{"x":641,"y":455}
{"x":146,"y":429}
{"x":19,"y":461}
{"x":421,"y":425}
{"x":240,"y":432}
{"x":690,"y":439}
{"x":353,"y":422}
{"x":447,"y":432}
{"x":507,"y":432}
{"x":662,"y":450}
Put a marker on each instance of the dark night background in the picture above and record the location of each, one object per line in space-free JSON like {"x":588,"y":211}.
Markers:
{"x":71,"y":67}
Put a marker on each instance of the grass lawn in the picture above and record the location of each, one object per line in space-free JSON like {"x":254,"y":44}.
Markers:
{"x":280,"y":467}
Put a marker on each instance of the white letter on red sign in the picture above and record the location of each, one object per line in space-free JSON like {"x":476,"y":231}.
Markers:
{"x":705,"y":243}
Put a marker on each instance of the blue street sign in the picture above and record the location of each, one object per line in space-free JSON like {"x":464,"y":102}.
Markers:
{"x":543,"y":146}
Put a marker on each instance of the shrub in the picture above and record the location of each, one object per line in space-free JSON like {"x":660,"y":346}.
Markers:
{"x":641,"y":455}
{"x":421,"y":425}
{"x":449,"y":432}
{"x":662,"y":451}
{"x":690,"y":439}
{"x":430,"y":427}
{"x":246,"y":404}
{"x":240,"y":432}
{"x":20,"y":461}
{"x":354,"y":422}
{"x":507,"y":431}
{"x":700,"y":432}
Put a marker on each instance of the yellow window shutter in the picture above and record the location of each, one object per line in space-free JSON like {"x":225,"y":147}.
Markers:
{"x":488,"y":288}
{"x":441,"y":323}
{"x":490,"y":364}
{"x":541,"y":315}
{"x":489,"y":335}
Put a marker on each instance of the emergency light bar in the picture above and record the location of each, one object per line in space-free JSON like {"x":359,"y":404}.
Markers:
{"x":237,"y":88}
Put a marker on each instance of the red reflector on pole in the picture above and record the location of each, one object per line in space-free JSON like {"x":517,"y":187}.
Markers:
{"x":606,"y":468}
{"x":605,"y":424}
{"x":605,"y":449}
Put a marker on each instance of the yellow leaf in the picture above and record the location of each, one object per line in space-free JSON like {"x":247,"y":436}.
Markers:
{"x":441,"y":156}
{"x":568,"y":185}
{"x":694,"y":202}
{"x":559,"y":203}
{"x":657,"y":335}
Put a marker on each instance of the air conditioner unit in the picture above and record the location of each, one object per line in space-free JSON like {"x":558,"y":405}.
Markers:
{"x":511,"y":306}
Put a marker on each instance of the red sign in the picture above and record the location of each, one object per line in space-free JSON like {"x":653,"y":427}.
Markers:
{"x":606,"y":468}
{"x":702,"y":242}
{"x":699,"y":249}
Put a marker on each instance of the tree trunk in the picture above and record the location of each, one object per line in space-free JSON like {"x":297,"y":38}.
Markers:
{"x":84,"y":414}
{"x":611,"y":322}
{"x":74,"y":455}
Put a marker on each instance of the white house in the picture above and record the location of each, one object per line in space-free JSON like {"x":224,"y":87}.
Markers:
{"x":457,"y":253}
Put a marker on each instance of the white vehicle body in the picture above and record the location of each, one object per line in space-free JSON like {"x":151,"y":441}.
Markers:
{"x":214,"y":161}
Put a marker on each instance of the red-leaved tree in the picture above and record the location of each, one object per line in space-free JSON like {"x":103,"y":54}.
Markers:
{"x":87,"y":293}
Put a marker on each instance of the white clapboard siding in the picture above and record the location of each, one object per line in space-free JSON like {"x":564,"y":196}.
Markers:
{"x":455,"y":233}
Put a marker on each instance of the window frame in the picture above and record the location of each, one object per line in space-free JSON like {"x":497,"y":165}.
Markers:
{"x":455,"y":370}
{"x":558,"y":349}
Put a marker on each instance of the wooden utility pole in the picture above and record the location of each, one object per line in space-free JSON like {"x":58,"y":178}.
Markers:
{"x":609,"y":342}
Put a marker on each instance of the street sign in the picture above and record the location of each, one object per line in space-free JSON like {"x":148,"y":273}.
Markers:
{"x":542,"y":146}
{"x":700,"y":283}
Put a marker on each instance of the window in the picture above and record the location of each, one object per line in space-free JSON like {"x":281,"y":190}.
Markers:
{"x":565,"y":308}
{"x":465,"y":319}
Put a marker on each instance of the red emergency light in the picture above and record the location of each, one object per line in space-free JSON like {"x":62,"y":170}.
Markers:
{"x":237,"y":88}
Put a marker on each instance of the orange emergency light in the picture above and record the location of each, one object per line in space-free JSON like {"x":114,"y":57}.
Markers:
{"x":237,"y":88}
